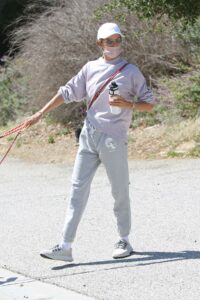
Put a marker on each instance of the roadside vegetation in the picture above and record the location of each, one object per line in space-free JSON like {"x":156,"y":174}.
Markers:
{"x":52,"y":46}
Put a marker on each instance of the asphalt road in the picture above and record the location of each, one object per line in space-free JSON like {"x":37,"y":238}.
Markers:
{"x":165,"y":200}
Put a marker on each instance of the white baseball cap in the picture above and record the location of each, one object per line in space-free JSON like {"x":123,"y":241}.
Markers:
{"x":108,"y":29}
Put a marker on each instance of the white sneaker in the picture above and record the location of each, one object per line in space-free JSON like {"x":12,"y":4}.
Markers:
{"x":58,"y":253}
{"x":122,"y":249}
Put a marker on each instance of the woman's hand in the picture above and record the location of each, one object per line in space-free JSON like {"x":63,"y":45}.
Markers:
{"x":33,"y":119}
{"x":119,"y":101}
{"x":123,"y":103}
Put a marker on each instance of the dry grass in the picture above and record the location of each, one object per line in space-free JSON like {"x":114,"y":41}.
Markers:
{"x":53,"y":47}
{"x":159,"y":141}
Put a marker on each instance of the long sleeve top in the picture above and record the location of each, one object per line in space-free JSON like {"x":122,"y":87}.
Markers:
{"x":132,"y":87}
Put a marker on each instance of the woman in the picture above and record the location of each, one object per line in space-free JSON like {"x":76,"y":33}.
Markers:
{"x":104,"y":136}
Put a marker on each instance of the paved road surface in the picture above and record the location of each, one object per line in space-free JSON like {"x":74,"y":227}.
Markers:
{"x":165,"y":231}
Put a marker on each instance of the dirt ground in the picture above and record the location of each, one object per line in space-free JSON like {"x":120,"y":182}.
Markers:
{"x":44,"y":143}
{"x":48,"y":144}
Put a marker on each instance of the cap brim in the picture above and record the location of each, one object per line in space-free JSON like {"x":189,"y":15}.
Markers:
{"x":105,"y":36}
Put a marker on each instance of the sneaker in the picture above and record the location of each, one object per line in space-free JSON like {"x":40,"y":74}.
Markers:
{"x":122,"y":249}
{"x":58,"y":253}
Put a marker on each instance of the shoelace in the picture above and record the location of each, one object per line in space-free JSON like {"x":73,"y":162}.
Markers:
{"x":56,"y":248}
{"x":121,"y":244}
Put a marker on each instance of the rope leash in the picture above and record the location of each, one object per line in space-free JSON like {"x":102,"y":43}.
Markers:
{"x":17,"y":129}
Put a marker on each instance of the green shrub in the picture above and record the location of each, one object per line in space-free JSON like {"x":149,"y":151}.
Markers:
{"x":10,"y":100}
{"x":195,"y":152}
{"x":51,"y":140}
{"x":7,"y":100}
{"x":188,"y":10}
{"x":174,"y":154}
{"x":188,"y":97}
{"x":189,"y":35}
{"x":177,"y":97}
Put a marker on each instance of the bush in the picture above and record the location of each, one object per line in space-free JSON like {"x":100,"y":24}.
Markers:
{"x":188,"y":10}
{"x":189,"y":36}
{"x":179,"y":99}
{"x":53,"y":48}
{"x":188,"y":98}
{"x":156,"y":45}
{"x":11,"y":101}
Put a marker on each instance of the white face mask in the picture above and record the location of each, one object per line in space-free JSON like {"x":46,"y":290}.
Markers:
{"x":113,"y":52}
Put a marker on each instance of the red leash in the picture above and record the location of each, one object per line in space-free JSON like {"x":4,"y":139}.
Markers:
{"x":17,"y":129}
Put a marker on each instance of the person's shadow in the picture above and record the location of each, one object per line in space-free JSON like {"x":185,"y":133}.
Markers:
{"x":7,"y":280}
{"x":142,"y":259}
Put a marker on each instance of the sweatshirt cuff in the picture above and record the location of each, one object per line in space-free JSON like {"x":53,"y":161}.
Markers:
{"x":62,"y":93}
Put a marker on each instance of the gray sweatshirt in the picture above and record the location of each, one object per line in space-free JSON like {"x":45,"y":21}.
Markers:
{"x":83,"y":86}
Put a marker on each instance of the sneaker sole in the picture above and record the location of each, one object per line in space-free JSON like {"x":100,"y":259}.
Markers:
{"x":62,"y":259}
{"x":123,"y":256}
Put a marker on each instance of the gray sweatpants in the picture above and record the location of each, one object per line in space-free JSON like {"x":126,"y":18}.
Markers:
{"x":96,"y":147}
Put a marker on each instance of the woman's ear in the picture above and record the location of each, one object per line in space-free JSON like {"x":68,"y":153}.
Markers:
{"x":99,"y":43}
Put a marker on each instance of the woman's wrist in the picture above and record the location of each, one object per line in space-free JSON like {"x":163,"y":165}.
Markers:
{"x":41,"y":113}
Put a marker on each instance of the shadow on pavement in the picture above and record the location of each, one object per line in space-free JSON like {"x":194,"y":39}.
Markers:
{"x":147,"y":258}
{"x":8,"y":280}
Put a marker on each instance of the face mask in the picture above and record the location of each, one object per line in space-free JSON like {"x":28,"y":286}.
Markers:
{"x":113,"y":52}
